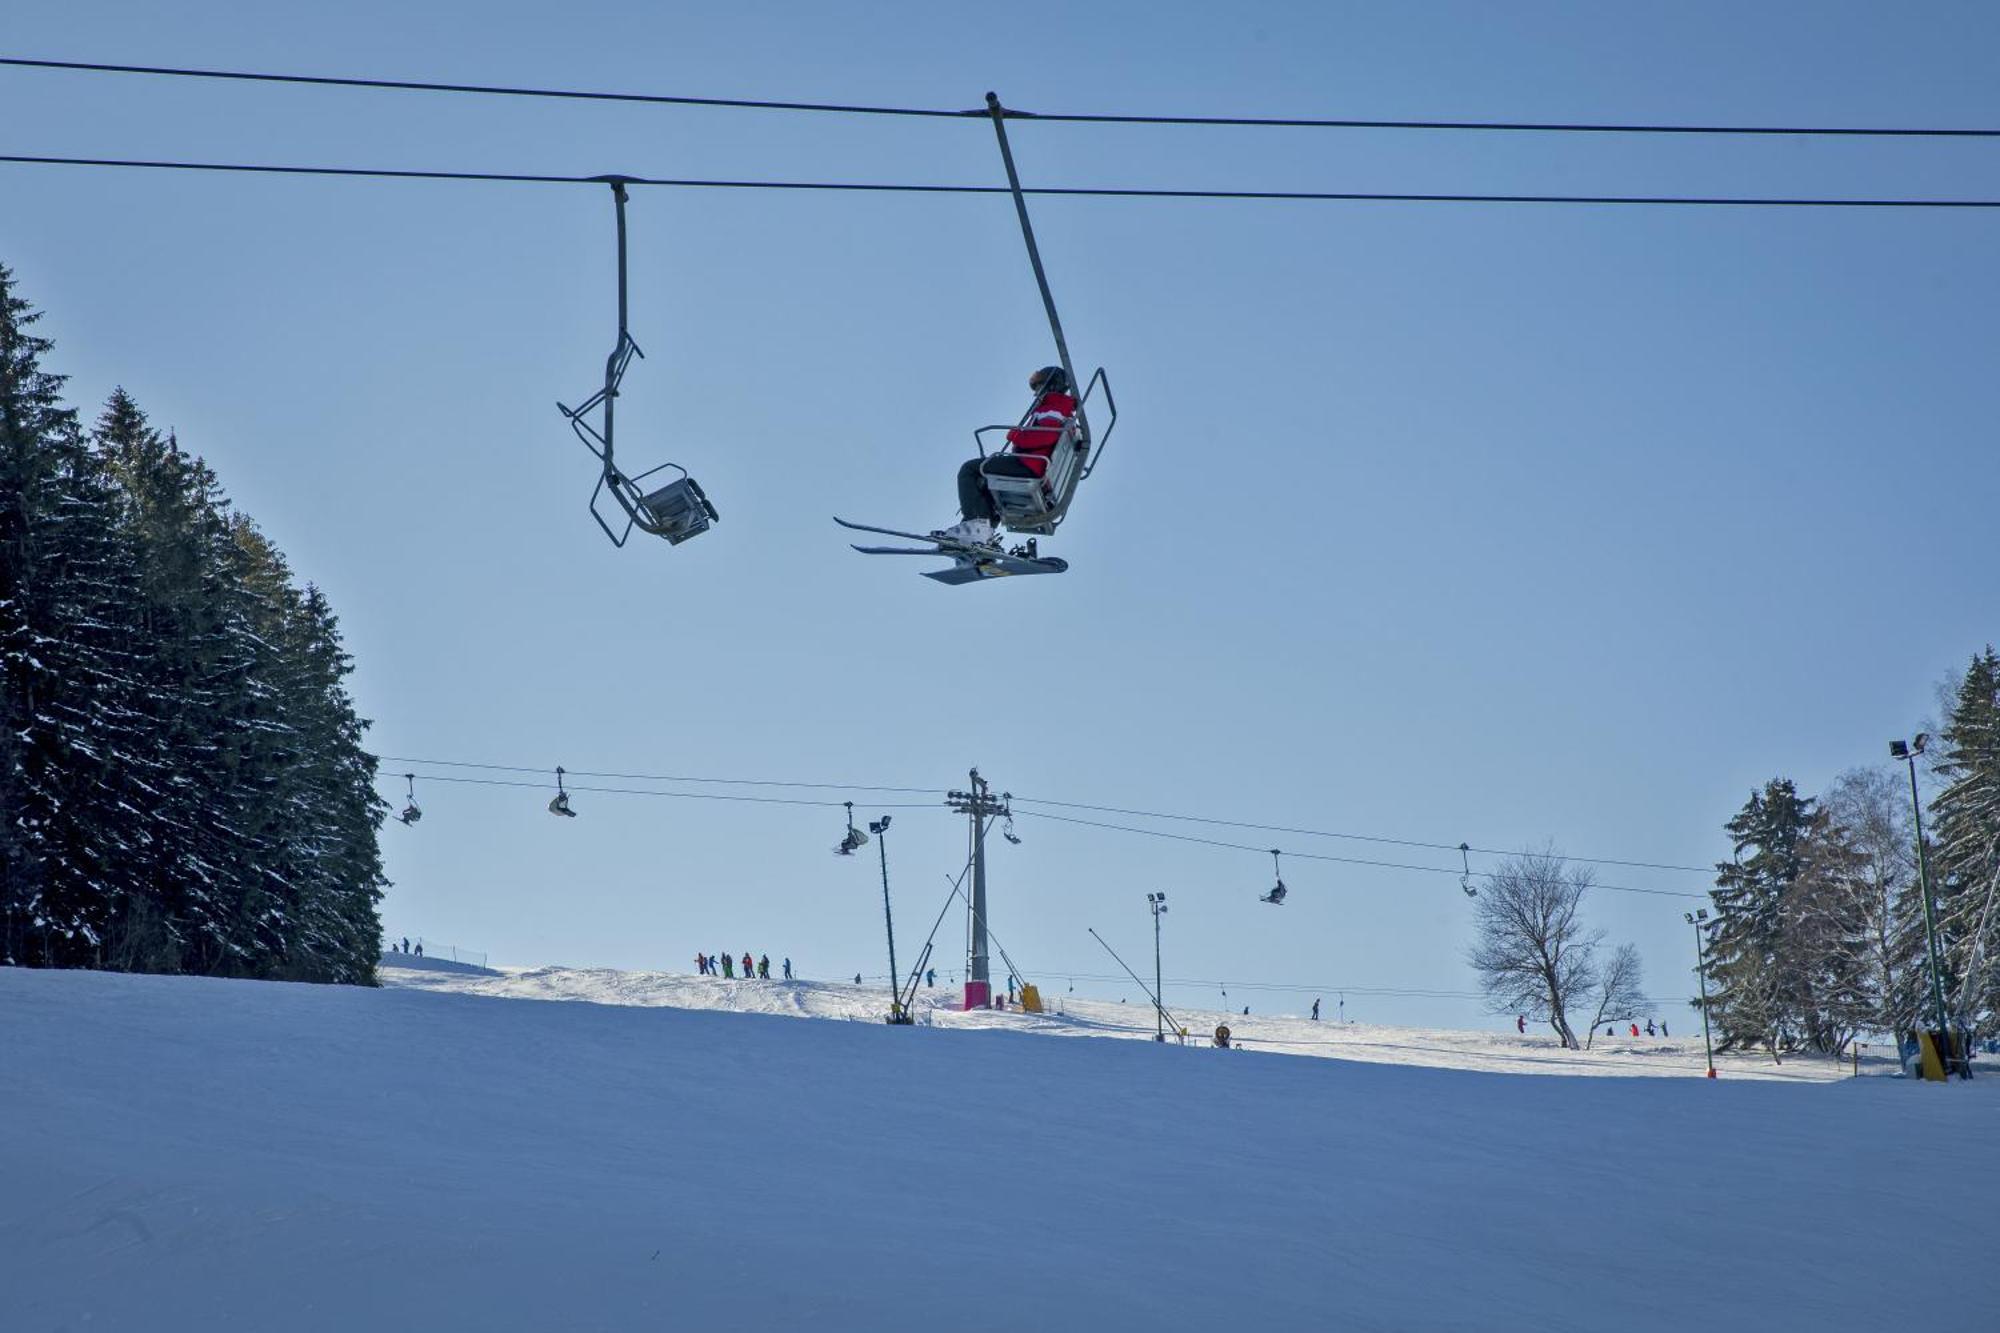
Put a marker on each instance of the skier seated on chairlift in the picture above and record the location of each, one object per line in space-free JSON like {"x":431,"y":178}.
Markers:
{"x":1030,"y":445}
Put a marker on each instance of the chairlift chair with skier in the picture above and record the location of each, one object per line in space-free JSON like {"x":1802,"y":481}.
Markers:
{"x":854,"y":839}
{"x":1027,"y":487}
{"x":559,"y":803}
{"x":411,"y":814}
{"x":1276,"y":897}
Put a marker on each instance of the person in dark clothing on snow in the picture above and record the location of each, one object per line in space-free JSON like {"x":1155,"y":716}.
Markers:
{"x":857,"y":978}
{"x":728,"y":967}
{"x":788,"y":969}
{"x":420,"y":948}
{"x":749,"y":965}
{"x":1521,"y":1023}
{"x":930,"y":977}
{"x":1029,"y":447}
{"x":764,"y":970}
{"x":1649,"y":1027}
{"x":1315,"y":1010}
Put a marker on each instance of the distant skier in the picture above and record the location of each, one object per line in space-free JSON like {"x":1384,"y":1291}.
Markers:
{"x":1663,"y":1028}
{"x":406,"y":944}
{"x":1030,"y":443}
{"x":1315,"y":1010}
{"x":1610,"y":1031}
{"x":1246,"y":1011}
{"x":701,"y":964}
{"x":1635,"y":1029}
{"x":857,"y":978}
{"x":420,"y":948}
{"x":764,"y":971}
{"x":1521,"y":1024}
{"x":788,"y":969}
{"x":930,"y":977}
{"x":749,"y":965}
{"x":728,"y":967}
{"x":1649,"y":1027}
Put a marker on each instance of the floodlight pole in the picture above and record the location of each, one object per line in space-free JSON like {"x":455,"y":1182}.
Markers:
{"x":1157,"y":903}
{"x":1701,"y":970}
{"x":897,"y":1014}
{"x":1909,"y":753}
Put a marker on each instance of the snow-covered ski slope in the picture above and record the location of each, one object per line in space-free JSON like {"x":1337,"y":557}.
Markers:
{"x":1680,"y":1056}
{"x":188,"y":1154}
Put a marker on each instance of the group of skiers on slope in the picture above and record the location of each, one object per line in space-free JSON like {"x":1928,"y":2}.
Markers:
{"x":1610,"y":1029}
{"x":406,"y":947}
{"x":1030,"y":445}
{"x":758,"y":968}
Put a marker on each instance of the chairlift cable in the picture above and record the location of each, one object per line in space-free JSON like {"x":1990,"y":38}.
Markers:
{"x":1085,"y":118}
{"x":659,"y":777}
{"x":1349,"y":837}
{"x":1068,"y":805}
{"x":677,"y":795}
{"x":1100,"y":192}
{"x":1339,"y":860}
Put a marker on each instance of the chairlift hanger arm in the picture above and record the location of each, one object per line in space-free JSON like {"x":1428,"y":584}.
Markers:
{"x":999,"y":115}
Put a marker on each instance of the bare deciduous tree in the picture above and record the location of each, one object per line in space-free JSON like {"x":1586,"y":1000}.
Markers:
{"x":1619,"y":993}
{"x":1533,"y":955}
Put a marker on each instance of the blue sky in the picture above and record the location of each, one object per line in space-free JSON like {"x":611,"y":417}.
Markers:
{"x":1502,"y":524}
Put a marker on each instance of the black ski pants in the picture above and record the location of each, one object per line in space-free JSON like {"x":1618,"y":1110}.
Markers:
{"x":973,"y":501}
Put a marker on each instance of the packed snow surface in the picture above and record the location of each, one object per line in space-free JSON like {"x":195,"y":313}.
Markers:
{"x":1535,"y":1052}
{"x":180,"y":1153}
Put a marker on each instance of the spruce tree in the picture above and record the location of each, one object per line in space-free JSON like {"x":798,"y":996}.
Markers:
{"x":1748,"y":997}
{"x":203,"y":871}
{"x":1965,"y":860}
{"x":71,"y":694}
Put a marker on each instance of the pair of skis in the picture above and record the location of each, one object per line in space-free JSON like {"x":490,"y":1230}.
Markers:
{"x":970,"y":563}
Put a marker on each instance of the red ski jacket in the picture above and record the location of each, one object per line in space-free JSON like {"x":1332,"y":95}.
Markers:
{"x":1035,"y":441}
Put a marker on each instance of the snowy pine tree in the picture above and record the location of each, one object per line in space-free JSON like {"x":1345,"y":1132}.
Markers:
{"x":72,"y":729}
{"x":1748,"y":989}
{"x":1965,"y":859}
{"x":181,"y":772}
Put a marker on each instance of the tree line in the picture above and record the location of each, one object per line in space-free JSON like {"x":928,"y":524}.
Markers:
{"x":183,"y":786}
{"x":1820,"y":927}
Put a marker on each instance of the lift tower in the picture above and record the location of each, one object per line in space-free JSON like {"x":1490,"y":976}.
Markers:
{"x":983,"y":807}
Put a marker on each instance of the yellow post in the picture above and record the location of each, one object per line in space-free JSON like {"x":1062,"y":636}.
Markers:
{"x":1031,"y":998}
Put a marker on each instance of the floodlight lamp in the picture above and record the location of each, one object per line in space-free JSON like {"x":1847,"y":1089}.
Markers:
{"x":1898,"y":750}
{"x":1688,"y":917}
{"x":1922,"y":739}
{"x":879,"y":826}
{"x":1701,"y":914}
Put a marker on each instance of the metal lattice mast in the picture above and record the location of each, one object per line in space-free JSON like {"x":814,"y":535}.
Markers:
{"x":982,"y":807}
